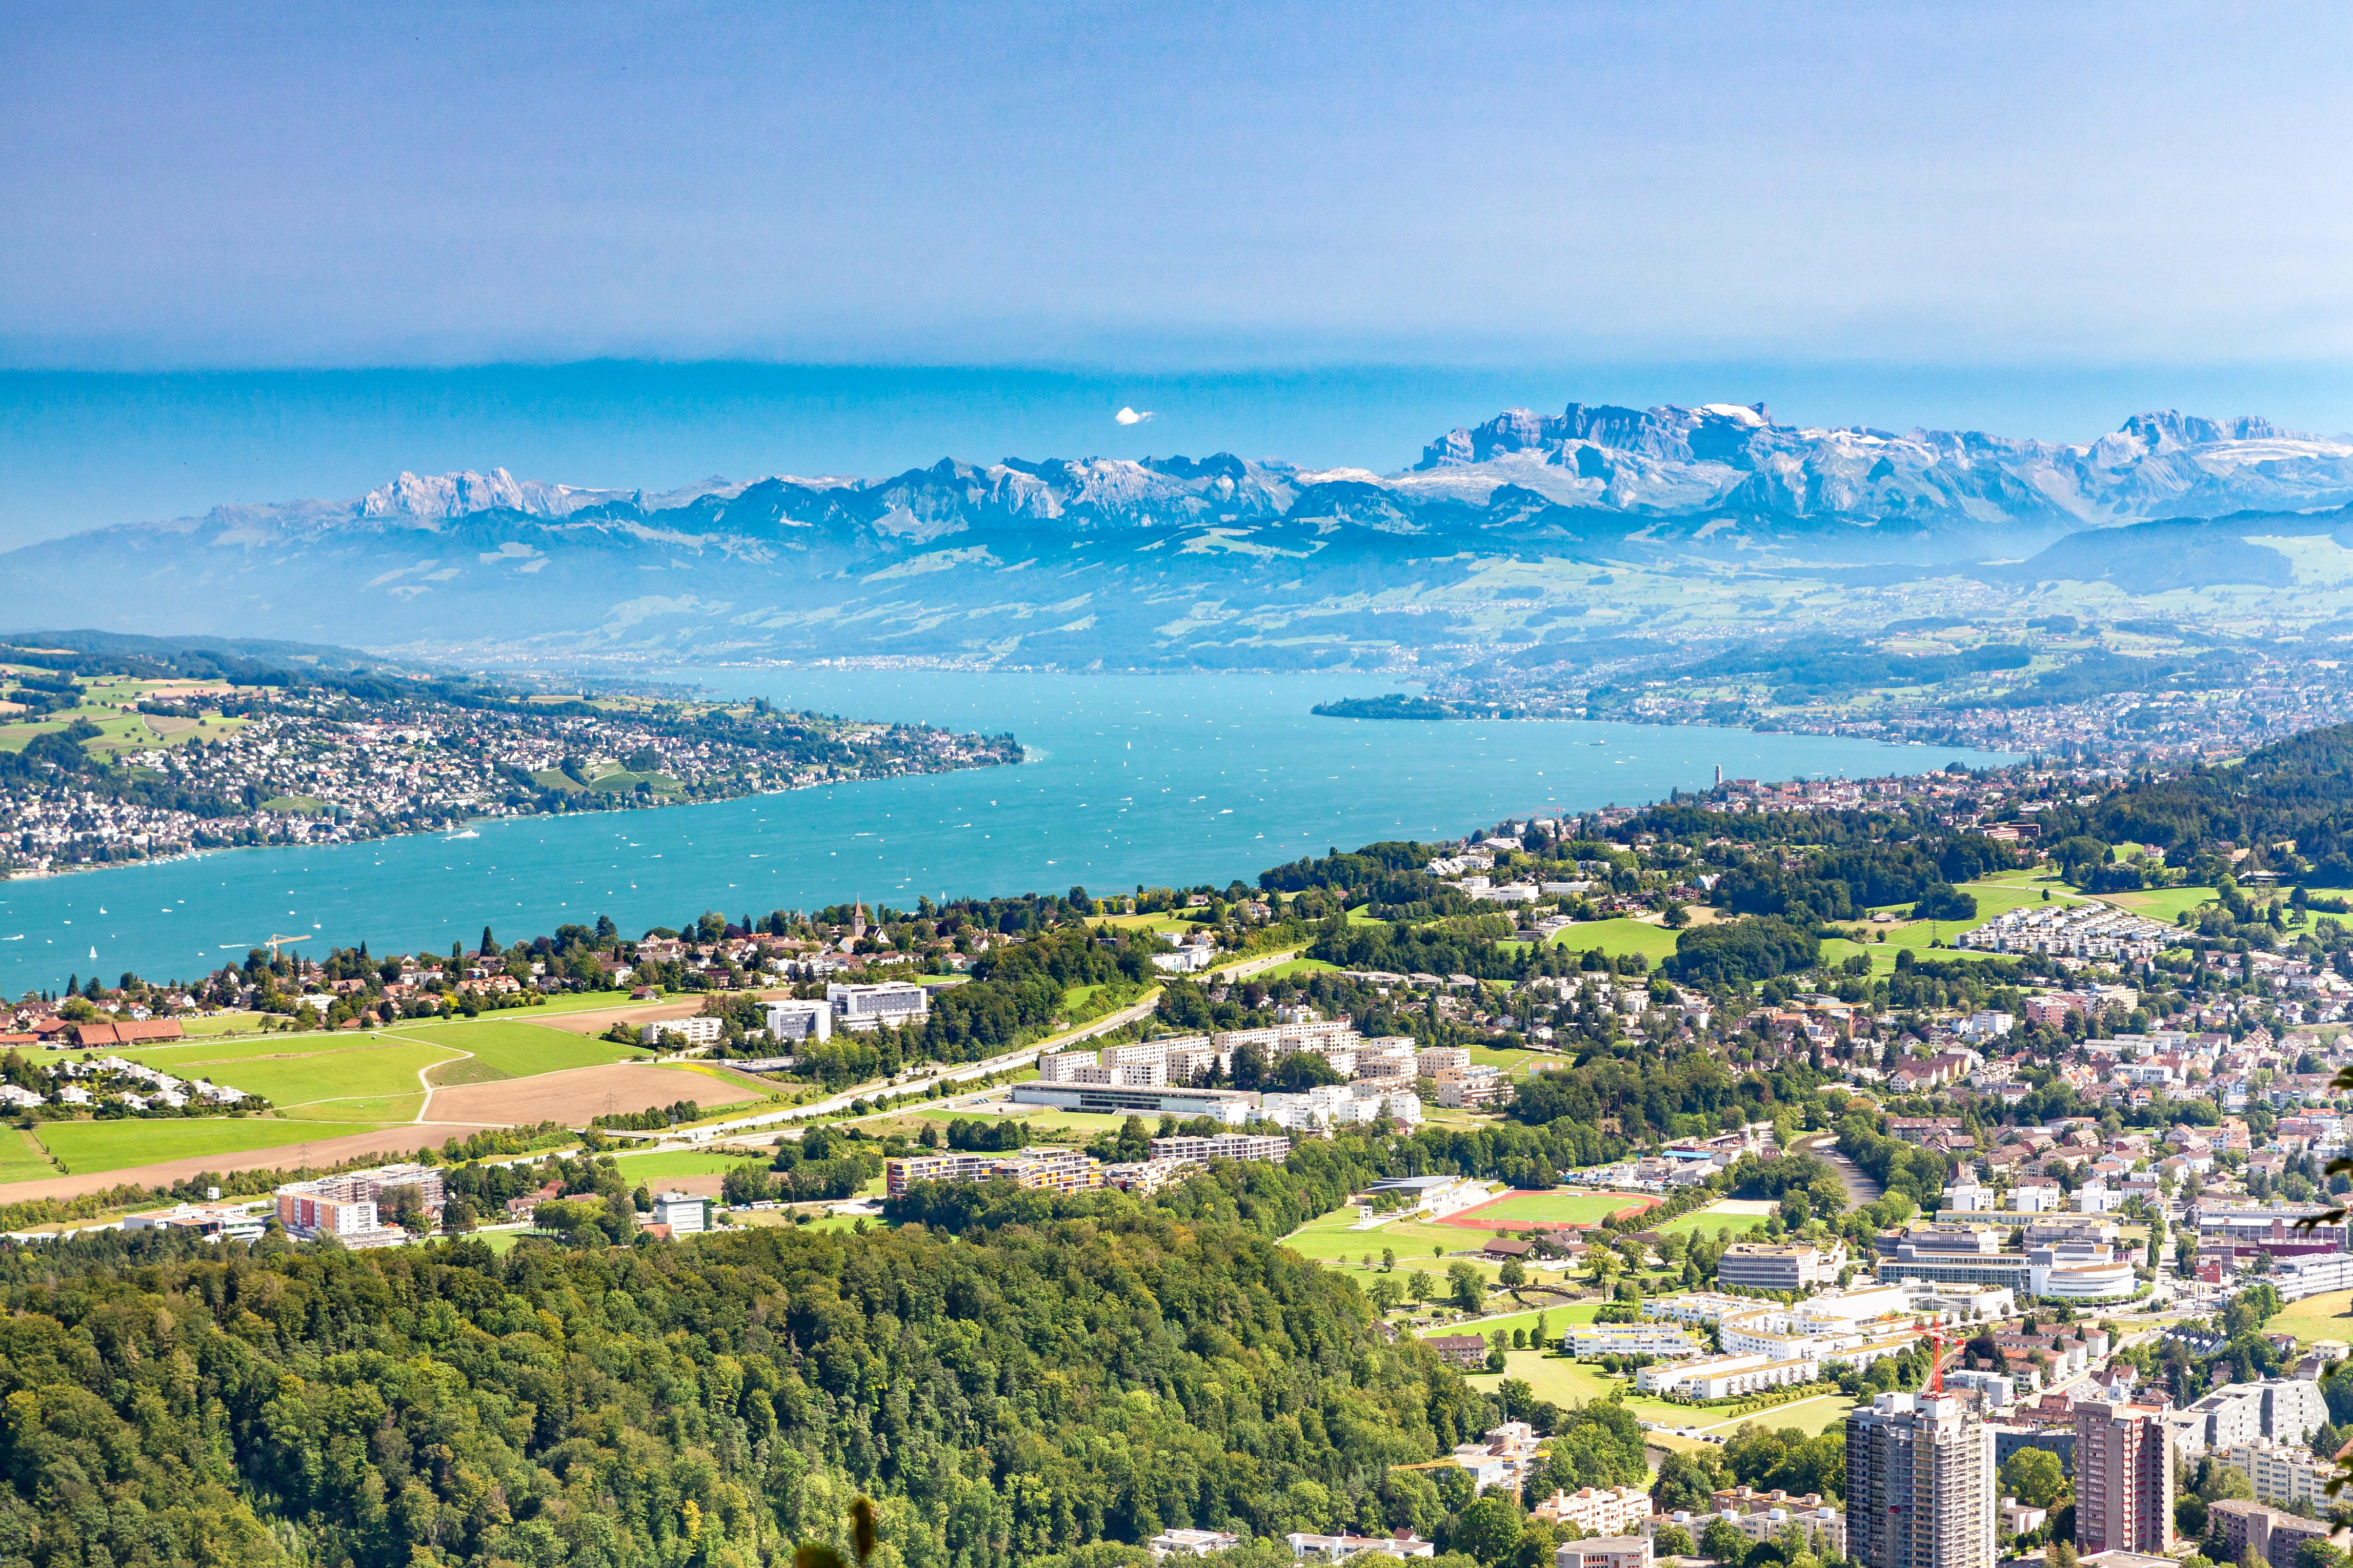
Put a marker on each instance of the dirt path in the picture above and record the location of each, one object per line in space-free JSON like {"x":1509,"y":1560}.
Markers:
{"x":428,"y":1084}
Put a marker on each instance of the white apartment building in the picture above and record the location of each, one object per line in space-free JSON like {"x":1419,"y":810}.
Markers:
{"x":864,"y":1007}
{"x":1726,"y":1377}
{"x":1659,"y":1340}
{"x":681,"y":1213}
{"x":2282,"y":1474}
{"x":686,"y":1031}
{"x":1595,"y":1510}
{"x":795,"y":1020}
{"x":1267,"y":1146}
{"x":1340,"y":1105}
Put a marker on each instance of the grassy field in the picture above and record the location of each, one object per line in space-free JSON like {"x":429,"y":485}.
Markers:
{"x":1994,"y":896}
{"x":1739,"y":1215}
{"x":1565,"y":1381}
{"x":2329,"y":1316}
{"x":681,"y":1163}
{"x":1617,"y":937}
{"x":505,"y":1049}
{"x":223,"y":1024}
{"x":346,"y":1067}
{"x":198,"y":1057}
{"x":21,"y":1159}
{"x":2165,"y":904}
{"x":1298,"y":966}
{"x":1735,"y":1214}
{"x":89,"y":1147}
{"x":1418,"y":1246}
{"x":1561,"y":1205}
{"x":1554,"y":1317}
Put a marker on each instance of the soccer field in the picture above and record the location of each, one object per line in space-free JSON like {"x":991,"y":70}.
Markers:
{"x":1561,"y":1205}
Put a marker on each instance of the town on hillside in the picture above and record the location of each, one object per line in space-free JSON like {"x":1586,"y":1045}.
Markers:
{"x":1805,"y":1127}
{"x":107,"y":758}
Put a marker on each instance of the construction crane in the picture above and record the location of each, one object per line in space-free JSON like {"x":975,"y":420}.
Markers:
{"x":275,"y":942}
{"x":1935,"y":1357}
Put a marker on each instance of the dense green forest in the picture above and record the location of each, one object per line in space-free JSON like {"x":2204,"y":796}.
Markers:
{"x":2290,"y":804}
{"x":1011,"y":1401}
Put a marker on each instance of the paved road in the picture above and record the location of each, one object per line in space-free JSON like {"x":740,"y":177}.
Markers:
{"x":1859,"y":1188}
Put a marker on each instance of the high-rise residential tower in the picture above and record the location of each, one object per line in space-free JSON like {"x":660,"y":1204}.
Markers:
{"x":2123,"y":1480}
{"x":1920,"y":1484}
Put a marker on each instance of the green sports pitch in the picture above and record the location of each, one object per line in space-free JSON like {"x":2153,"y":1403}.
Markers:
{"x":1560,"y":1205}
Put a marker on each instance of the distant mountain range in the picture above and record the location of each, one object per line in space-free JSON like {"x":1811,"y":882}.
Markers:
{"x":1504,"y":533}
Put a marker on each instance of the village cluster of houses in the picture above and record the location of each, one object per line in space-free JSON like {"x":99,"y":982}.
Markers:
{"x":327,"y":767}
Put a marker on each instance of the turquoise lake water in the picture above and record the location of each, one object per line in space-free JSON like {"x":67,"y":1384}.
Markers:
{"x":1160,"y":779}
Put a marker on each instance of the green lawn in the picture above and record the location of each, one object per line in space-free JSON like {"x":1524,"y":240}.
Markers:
{"x":340,"y":1067}
{"x":681,"y":1163}
{"x":225,"y":1024}
{"x":1418,"y":1246}
{"x":1554,"y":1317}
{"x":1297,"y":966}
{"x":2329,"y":1316}
{"x":197,"y":1059}
{"x":1579,"y":1206}
{"x":502,"y":1049}
{"x":89,"y":1147}
{"x":21,"y":1159}
{"x":1565,"y":1381}
{"x":2162,"y":903}
{"x":1994,"y":896}
{"x":1739,"y":1215}
{"x":1617,"y":937}
{"x":580,"y":1002}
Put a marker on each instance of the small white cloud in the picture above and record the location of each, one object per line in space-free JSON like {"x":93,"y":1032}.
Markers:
{"x":1130,"y":416}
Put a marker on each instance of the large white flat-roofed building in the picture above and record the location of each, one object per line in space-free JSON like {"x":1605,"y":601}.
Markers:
{"x":1662,"y":1340}
{"x":689,"y":1031}
{"x":861,"y":1007}
{"x":1267,"y":1146}
{"x":796,"y":1018}
{"x":1191,"y":1543}
{"x":684,"y":1214}
{"x":1604,"y":1552}
{"x":1726,"y":1377}
{"x":214,"y":1222}
{"x":1051,"y":1169}
{"x":1230,"y":1106}
{"x":1762,"y":1266}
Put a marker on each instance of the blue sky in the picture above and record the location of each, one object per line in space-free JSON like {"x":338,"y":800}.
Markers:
{"x":1329,"y":231}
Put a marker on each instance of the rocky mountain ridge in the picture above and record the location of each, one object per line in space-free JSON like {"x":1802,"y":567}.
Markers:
{"x":1515,"y":531}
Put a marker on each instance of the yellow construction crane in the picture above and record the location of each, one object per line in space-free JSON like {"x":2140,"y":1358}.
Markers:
{"x":275,"y":942}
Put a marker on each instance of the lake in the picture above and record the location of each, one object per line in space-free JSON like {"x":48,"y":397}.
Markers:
{"x":1166,"y":780}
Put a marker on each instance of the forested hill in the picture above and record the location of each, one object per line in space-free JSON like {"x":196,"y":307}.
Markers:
{"x":1004,"y":1404}
{"x":2299,"y":790}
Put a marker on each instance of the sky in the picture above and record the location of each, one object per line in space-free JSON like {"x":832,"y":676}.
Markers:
{"x":260,"y":251}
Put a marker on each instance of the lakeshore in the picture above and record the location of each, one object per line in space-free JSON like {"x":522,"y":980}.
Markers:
{"x":1170,"y":779}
